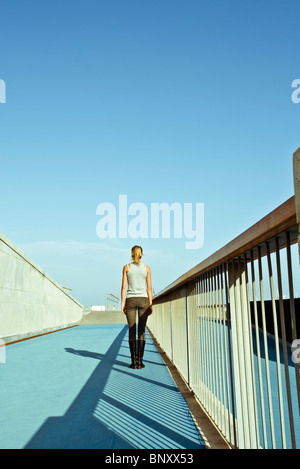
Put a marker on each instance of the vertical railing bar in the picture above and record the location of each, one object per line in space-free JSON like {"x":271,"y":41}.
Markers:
{"x":262,"y":405}
{"x":221,"y":350}
{"x":236,"y":343}
{"x":211,"y":386}
{"x":292,"y":309}
{"x":160,"y":322}
{"x":251,"y":355}
{"x":187,"y":335}
{"x":216,"y":348}
{"x":213,"y":357}
{"x":213,"y":338}
{"x":206,"y":354}
{"x":284,"y":346}
{"x":162,"y":326}
{"x":193,"y":343}
{"x":194,"y":331}
{"x":157,"y":319}
{"x":201,"y":313}
{"x":242,"y":363}
{"x":227,"y":390}
{"x":222,"y":354}
{"x":200,"y":327}
{"x":197,"y":331}
{"x":201,"y":307}
{"x":174,"y":319}
{"x":201,"y":362}
{"x":171,"y":332}
{"x":197,"y":325}
{"x":188,"y":332}
{"x":228,"y":318}
{"x":168,"y":334}
{"x":208,"y":345}
{"x":266,"y":349}
{"x":278,"y":364}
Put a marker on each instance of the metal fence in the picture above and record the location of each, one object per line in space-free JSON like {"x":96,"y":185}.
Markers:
{"x":229,"y":325}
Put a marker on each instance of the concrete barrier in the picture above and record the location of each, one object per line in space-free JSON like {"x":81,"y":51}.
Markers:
{"x":31,"y":302}
{"x":103,"y":317}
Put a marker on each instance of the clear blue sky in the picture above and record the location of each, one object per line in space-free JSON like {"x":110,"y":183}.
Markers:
{"x":161,"y":100}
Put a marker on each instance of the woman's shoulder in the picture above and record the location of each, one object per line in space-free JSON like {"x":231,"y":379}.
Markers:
{"x":126,"y":268}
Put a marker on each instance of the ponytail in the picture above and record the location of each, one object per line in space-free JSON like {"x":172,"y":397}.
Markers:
{"x":136,"y":254}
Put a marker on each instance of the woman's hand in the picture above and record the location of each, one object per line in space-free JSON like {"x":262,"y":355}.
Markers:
{"x":150,"y":310}
{"x":123,"y":308}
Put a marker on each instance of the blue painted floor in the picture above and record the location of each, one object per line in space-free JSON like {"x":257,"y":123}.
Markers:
{"x":75,"y":389}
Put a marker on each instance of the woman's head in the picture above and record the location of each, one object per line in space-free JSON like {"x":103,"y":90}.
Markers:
{"x":136,"y":254}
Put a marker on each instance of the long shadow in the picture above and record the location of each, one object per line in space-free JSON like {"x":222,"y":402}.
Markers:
{"x":99,"y":356}
{"x":97,"y":418}
{"x":78,"y":428}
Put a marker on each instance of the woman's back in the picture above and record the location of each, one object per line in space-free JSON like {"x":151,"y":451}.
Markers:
{"x":136,"y":276}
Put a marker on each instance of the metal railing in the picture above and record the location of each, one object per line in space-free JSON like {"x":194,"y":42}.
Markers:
{"x":228,"y":325}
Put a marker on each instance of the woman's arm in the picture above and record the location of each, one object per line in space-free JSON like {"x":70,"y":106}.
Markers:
{"x":149,"y":287}
{"x":123,"y":288}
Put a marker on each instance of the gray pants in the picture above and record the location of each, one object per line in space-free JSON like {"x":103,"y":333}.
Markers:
{"x":142,"y":305}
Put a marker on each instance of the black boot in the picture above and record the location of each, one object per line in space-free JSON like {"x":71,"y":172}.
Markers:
{"x":141,"y":347}
{"x":132,"y":346}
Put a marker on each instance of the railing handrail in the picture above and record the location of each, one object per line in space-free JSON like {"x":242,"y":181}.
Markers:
{"x":277,"y":221}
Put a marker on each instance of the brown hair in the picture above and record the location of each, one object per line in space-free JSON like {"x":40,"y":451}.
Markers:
{"x":136,"y":254}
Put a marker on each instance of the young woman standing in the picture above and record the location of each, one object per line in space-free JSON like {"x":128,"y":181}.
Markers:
{"x":137,"y":276}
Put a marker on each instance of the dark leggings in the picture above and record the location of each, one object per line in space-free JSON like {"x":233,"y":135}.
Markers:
{"x":142,"y":305}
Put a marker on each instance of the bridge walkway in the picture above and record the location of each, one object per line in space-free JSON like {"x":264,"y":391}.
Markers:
{"x":74,"y":389}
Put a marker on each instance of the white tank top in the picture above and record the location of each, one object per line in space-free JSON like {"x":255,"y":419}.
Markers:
{"x":136,"y":277}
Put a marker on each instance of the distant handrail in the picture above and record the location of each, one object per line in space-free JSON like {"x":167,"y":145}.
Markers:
{"x":281,"y":219}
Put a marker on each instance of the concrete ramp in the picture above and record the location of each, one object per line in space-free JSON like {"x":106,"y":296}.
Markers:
{"x":103,"y":317}
{"x":31,"y":302}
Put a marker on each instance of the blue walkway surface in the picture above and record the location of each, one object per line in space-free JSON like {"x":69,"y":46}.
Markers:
{"x":74,"y":389}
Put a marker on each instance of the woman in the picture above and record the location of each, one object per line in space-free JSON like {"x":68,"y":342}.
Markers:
{"x":139,"y":296}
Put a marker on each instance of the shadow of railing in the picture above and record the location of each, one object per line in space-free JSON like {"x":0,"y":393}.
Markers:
{"x":117,"y":408}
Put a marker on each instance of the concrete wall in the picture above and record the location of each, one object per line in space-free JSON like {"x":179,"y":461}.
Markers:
{"x":31,"y":302}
